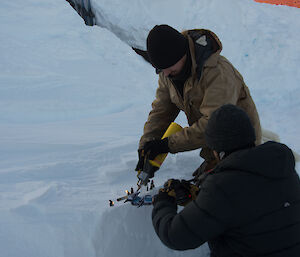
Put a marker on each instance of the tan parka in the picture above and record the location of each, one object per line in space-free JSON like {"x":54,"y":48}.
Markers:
{"x":220,"y":83}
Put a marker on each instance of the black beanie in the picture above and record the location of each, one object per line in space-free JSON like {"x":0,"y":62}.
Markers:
{"x":165,"y":46}
{"x":229,"y":128}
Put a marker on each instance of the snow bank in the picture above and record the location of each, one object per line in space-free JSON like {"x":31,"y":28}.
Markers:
{"x":128,"y":231}
{"x":74,"y":100}
{"x":255,"y":39}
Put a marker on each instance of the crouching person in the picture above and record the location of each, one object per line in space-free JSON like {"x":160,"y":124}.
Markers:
{"x":249,"y":205}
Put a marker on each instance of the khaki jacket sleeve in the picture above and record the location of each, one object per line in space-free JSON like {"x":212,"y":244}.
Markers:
{"x":222,"y":86}
{"x":162,"y":114}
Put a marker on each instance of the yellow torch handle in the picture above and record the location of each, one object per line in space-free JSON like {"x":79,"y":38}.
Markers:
{"x":159,"y":159}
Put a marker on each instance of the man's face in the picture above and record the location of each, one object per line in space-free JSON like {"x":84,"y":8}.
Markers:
{"x":176,"y":68}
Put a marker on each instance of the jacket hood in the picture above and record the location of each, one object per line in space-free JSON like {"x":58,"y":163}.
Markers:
{"x":271,"y":159}
{"x":203,"y":44}
{"x":196,"y":34}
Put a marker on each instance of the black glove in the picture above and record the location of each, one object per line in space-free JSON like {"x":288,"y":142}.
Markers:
{"x":156,"y":147}
{"x":181,"y":190}
{"x":140,"y":164}
{"x":163,"y":196}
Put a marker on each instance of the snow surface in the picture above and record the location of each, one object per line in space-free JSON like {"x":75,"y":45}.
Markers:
{"x":74,"y":100}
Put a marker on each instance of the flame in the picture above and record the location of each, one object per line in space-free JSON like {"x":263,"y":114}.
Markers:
{"x":111,"y":203}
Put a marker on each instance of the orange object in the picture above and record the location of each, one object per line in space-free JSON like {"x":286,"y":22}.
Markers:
{"x":294,"y":3}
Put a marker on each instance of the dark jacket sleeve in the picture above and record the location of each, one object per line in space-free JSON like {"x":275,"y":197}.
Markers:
{"x":200,"y":221}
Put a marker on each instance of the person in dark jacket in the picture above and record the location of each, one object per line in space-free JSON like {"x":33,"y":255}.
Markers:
{"x":248,"y":205}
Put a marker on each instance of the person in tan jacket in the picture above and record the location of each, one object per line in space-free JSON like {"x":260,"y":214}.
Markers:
{"x":193,"y":78}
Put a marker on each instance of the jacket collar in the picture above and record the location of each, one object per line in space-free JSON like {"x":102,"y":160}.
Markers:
{"x":198,"y":38}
